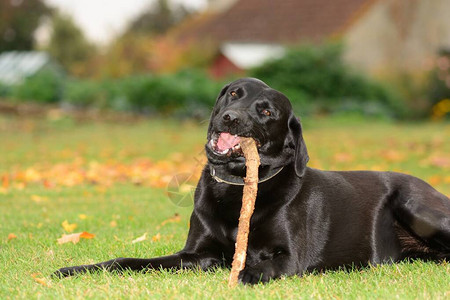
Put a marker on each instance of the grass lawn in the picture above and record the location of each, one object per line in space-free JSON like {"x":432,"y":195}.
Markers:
{"x":111,"y":180}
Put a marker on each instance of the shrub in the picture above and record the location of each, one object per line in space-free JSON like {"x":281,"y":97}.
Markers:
{"x":5,"y":90}
{"x":170,"y":92}
{"x":44,"y":87}
{"x":84,"y":93}
{"x":316,"y":79}
{"x":438,"y":88}
{"x":188,"y":92}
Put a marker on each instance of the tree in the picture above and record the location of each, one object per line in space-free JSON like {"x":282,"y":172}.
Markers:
{"x":19,"y":19}
{"x":69,"y":46}
{"x":145,"y":46}
{"x":158,"y":18}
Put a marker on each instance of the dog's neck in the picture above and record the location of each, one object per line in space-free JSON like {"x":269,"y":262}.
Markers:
{"x":222,"y":174}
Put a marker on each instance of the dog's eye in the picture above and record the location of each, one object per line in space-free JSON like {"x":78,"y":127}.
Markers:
{"x":233,"y":94}
{"x":266,"y":112}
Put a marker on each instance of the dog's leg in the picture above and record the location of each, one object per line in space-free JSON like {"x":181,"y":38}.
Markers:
{"x":266,"y":270}
{"x":179,"y":260}
{"x":425,"y":212}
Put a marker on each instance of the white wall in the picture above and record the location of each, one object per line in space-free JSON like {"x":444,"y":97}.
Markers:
{"x":398,"y":33}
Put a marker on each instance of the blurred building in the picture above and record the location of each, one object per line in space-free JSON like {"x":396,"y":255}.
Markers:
{"x":15,"y":66}
{"x":379,"y":35}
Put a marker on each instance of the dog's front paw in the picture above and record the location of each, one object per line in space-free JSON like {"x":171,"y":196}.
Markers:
{"x":254,"y":275}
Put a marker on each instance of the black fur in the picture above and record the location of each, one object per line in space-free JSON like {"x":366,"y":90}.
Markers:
{"x":305,"y":219}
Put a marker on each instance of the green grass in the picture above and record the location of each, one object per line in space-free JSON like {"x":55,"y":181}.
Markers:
{"x":419,"y":149}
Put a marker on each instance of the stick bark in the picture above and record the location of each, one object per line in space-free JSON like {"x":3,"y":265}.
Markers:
{"x":252,"y":163}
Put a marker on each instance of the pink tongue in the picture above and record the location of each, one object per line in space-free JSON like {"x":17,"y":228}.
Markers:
{"x":226,"y":141}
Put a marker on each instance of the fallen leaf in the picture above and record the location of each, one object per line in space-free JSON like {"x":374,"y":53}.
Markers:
{"x":393,"y":155}
{"x":38,"y":199}
{"x":113,"y":223}
{"x":12,"y":236}
{"x":156,"y":237}
{"x":32,"y":175}
{"x":65,"y":238}
{"x":440,"y":161}
{"x":75,"y":237}
{"x":140,"y":239}
{"x":435,"y":180}
{"x":39,"y":280}
{"x":19,"y":186}
{"x":87,"y":235}
{"x":68,"y":227}
{"x":343,"y":157}
{"x":174,"y":219}
{"x":48,"y":184}
{"x":447,"y":179}
{"x":5,"y":181}
{"x":79,"y":171}
{"x":82,"y":216}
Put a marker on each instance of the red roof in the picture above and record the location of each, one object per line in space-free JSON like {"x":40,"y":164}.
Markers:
{"x":270,"y":21}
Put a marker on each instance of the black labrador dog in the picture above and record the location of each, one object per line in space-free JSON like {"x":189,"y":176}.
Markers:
{"x":305,"y":219}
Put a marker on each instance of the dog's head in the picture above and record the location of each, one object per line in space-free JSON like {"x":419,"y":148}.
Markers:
{"x":250,"y":108}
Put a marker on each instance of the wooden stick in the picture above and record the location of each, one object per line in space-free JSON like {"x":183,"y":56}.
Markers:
{"x":252,"y":162}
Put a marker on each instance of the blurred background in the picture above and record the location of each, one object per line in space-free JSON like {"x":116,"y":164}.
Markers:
{"x":104,"y":107}
{"x":380,"y":58}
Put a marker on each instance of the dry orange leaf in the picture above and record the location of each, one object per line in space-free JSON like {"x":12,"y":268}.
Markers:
{"x":5,"y":181}
{"x":48,"y":184}
{"x":11,"y":236}
{"x":156,"y":237}
{"x":75,"y":237}
{"x":68,"y":227}
{"x":393,"y":155}
{"x":87,"y":235}
{"x":113,"y":223}
{"x":82,"y":216}
{"x":39,"y":279}
{"x":435,"y":180}
{"x":80,"y":171}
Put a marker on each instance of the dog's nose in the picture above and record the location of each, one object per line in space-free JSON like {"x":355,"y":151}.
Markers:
{"x":230,"y":117}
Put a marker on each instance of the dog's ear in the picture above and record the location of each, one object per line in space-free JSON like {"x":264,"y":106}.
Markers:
{"x":301,"y":157}
{"x":222,"y":92}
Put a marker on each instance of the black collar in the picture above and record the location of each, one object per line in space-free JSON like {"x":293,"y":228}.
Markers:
{"x":238,"y":180}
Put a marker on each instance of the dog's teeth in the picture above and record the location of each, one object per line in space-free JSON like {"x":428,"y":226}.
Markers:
{"x":225,"y":151}
{"x":238,"y":146}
